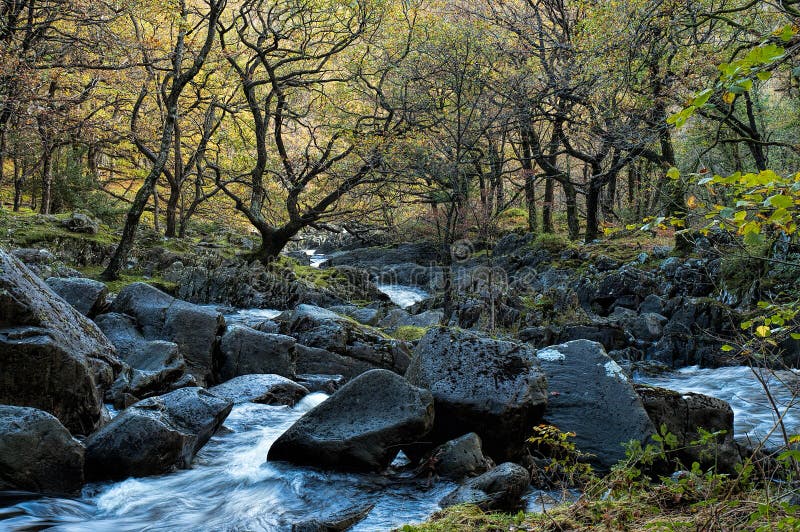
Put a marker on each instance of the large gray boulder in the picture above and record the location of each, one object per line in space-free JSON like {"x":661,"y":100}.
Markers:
{"x":86,"y":295}
{"x":264,"y":389}
{"x":360,"y":427}
{"x":480,"y":384}
{"x":683,"y":415}
{"x":591,"y":396}
{"x":37,"y":453}
{"x":156,"y":435}
{"x":51,"y":356}
{"x":152,"y":366}
{"x":368,"y":347}
{"x":248,"y":351}
{"x":498,"y":489}
{"x":159,"y":316}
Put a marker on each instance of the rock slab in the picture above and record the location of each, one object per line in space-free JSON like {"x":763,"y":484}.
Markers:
{"x":592,"y":397}
{"x":51,"y":356}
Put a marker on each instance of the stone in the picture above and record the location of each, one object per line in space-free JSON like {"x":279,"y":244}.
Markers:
{"x":361,"y":427}
{"x":264,"y":389}
{"x":335,"y":521}
{"x":86,"y":295}
{"x":81,"y":223}
{"x":459,"y":458}
{"x":684,"y":414}
{"x":369,"y":348}
{"x":51,"y":356}
{"x":159,"y":316}
{"x":498,"y":489}
{"x":37,"y":453}
{"x":156,"y":435}
{"x":590,"y":395}
{"x":320,"y":383}
{"x":248,"y":351}
{"x":491,"y":387}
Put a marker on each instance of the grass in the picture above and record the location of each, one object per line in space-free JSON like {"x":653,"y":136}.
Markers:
{"x":659,"y":508}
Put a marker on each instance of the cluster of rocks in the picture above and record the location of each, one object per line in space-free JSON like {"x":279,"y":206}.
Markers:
{"x":65,"y":347}
{"x":456,"y":402}
{"x":466,"y":397}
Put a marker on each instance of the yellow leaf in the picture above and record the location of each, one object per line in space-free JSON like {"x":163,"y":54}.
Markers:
{"x":728,"y":97}
{"x":762,"y":331}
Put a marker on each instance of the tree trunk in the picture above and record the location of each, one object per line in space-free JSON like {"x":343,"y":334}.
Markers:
{"x":571,"y":199}
{"x":547,"y":208}
{"x":172,"y":208}
{"x":47,"y":180}
{"x":530,"y":182}
{"x":156,"y":209}
{"x":19,"y":181}
{"x":609,"y":198}
{"x":592,"y":208}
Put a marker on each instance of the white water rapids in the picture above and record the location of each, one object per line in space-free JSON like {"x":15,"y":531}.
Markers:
{"x":231,"y":487}
{"x":754,"y":416}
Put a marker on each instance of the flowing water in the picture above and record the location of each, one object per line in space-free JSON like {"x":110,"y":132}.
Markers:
{"x":231,"y":487}
{"x":754,"y":416}
{"x":403,"y":296}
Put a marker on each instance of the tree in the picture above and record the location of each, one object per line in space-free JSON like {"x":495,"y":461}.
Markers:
{"x":315,"y":114}
{"x":173,"y":87}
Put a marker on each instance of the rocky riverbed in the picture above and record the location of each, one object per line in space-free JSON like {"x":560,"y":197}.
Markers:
{"x":345,"y":398}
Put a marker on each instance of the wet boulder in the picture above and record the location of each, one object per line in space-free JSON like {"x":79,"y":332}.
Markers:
{"x":360,"y":427}
{"x":156,"y":435}
{"x":86,"y":295}
{"x":37,"y":453}
{"x":491,"y":387}
{"x":335,"y":521}
{"x":248,"y":351}
{"x":498,"y":489}
{"x":152,"y":367}
{"x":590,"y":395}
{"x":264,"y":389}
{"x":459,"y":458}
{"x":315,"y":361}
{"x":684,"y":415}
{"x":51,"y":356}
{"x":159,"y":316}
{"x":368,"y":347}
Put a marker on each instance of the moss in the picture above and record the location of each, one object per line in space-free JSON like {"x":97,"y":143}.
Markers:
{"x":551,"y":242}
{"x":410,"y":333}
{"x":94,"y":272}
{"x":29,"y":229}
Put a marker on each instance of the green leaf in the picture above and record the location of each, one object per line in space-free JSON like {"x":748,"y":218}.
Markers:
{"x":764,"y":76}
{"x":795,"y":336}
{"x":780,"y":201}
{"x":753,"y":239}
{"x":727,"y":348}
{"x":702,"y":97}
{"x":674,"y":174}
